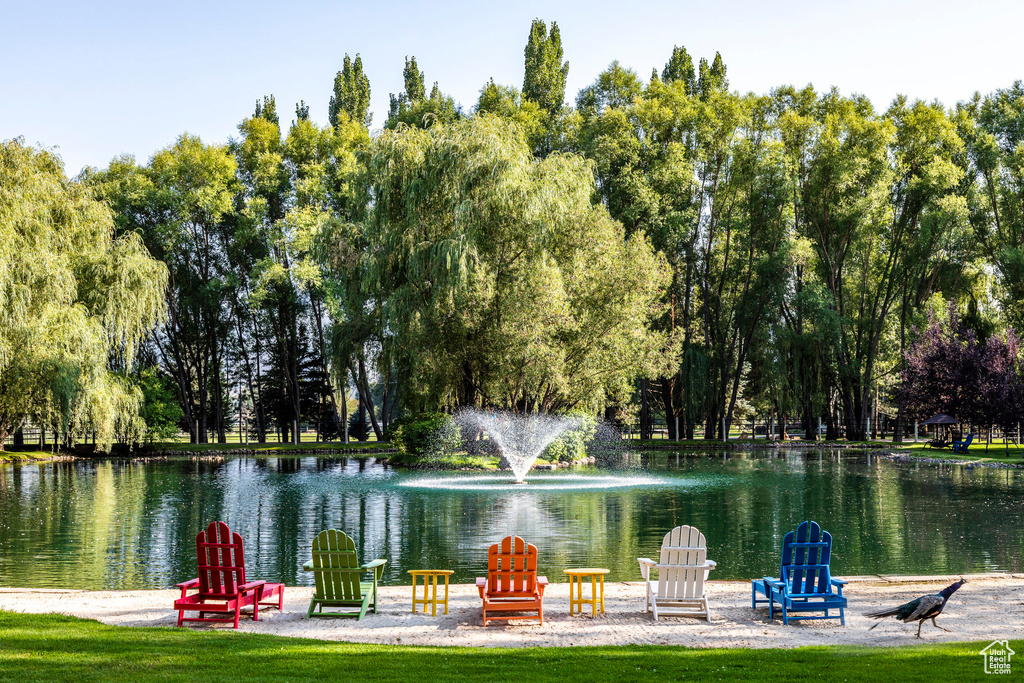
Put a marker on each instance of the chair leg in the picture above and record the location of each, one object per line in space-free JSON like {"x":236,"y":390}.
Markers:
{"x":238,"y":611}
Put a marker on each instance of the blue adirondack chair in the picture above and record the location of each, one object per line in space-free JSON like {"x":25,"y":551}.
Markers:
{"x":804,"y":583}
{"x":962,"y":446}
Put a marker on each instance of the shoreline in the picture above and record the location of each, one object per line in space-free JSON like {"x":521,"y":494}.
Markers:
{"x":383,"y":453}
{"x":979,"y":611}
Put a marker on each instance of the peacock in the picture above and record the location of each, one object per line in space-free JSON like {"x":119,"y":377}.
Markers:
{"x":920,"y":610}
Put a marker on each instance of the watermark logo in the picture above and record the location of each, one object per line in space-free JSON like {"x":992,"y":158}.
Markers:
{"x":997,"y":657}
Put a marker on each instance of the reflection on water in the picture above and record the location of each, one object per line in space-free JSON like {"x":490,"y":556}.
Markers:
{"x":123,"y":524}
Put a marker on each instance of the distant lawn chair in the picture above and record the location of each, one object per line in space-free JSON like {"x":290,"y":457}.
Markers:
{"x":682,"y":571}
{"x":804,"y":583}
{"x":962,"y":446}
{"x":337,"y":575}
{"x":512,"y":584}
{"x":221,"y":586}
{"x":936,"y":443}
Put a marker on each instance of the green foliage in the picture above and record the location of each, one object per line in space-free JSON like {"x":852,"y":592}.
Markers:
{"x":428,"y":435}
{"x":571,"y":445}
{"x":616,"y":87}
{"x":413,"y":108}
{"x":72,"y":297}
{"x":351,"y":93}
{"x":545,"y":73}
{"x":161,"y":411}
{"x":499,"y":280}
{"x":680,"y":68}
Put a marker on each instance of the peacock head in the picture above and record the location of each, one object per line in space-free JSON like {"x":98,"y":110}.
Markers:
{"x":952,"y":588}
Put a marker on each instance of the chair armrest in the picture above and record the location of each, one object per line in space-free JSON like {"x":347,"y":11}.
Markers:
{"x":377,"y":567}
{"x":542,"y":583}
{"x":249,"y":586}
{"x":191,"y":583}
{"x":542,"y":580}
{"x":710,"y":564}
{"x":645,"y":566}
{"x":775,"y":584}
{"x":307,"y":566}
{"x":839,"y":582}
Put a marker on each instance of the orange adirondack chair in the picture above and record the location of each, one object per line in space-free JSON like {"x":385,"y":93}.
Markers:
{"x":221,"y":585}
{"x":512,"y":584}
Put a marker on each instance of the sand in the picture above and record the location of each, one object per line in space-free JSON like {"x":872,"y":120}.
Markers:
{"x":988,"y":607}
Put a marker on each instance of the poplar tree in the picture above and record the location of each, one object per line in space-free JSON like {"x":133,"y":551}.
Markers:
{"x":351,"y":93}
{"x":545,"y":72}
{"x":680,"y":68}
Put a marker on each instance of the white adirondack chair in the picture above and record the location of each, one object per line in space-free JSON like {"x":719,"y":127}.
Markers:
{"x":679,"y":590}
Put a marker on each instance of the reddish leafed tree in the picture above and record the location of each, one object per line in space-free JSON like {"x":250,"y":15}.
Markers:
{"x":948,"y":371}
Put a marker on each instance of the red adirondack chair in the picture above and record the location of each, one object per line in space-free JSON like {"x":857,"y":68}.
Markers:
{"x":512,"y":584}
{"x":222,"y":587}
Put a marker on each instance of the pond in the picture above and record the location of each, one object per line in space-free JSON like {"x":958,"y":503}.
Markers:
{"x":126,"y":524}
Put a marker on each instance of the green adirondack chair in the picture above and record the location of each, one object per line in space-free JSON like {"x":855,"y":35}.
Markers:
{"x":337,"y":573}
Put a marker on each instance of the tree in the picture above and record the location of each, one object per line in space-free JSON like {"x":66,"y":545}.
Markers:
{"x":993,"y":128}
{"x":180,"y":204}
{"x":680,"y":68}
{"x":948,"y":370}
{"x":74,"y":298}
{"x":498,"y":281}
{"x":352,"y":93}
{"x":616,"y":87}
{"x":545,"y":72}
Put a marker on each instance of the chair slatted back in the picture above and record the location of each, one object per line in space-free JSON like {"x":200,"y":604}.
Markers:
{"x":512,"y":567}
{"x":805,"y":560}
{"x":681,"y":567}
{"x":335,"y":566}
{"x":221,"y":560}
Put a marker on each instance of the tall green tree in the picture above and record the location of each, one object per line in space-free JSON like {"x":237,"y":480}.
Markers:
{"x":545,"y":72}
{"x":352,"y":93}
{"x":73,"y":296}
{"x":180,"y":204}
{"x":500,"y":282}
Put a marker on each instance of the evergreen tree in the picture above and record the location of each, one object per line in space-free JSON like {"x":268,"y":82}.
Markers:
{"x":351,"y":93}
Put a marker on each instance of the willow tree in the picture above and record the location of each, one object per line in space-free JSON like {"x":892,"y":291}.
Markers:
{"x":71,"y":298}
{"x":500,"y":282}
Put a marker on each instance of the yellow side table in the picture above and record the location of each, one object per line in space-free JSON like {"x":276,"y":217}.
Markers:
{"x":430,"y":575}
{"x":576,"y":577}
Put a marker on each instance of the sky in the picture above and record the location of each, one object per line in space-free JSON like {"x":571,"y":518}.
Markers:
{"x":99,"y":79}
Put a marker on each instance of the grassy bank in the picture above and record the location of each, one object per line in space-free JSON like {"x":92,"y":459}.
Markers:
{"x":60,"y":648}
{"x":212,"y":448}
{"x":26,"y":456}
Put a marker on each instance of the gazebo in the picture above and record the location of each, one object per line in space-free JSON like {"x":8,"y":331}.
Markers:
{"x":941,"y":420}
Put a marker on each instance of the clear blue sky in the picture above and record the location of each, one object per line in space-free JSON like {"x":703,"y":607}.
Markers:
{"x":97,"y":79}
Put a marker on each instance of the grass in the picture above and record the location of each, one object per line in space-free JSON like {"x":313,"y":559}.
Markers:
{"x":25,"y":456}
{"x":60,"y":648}
{"x":173,"y":447}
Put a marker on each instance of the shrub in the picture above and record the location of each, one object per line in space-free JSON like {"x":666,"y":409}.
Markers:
{"x":426,"y":435}
{"x":571,"y":445}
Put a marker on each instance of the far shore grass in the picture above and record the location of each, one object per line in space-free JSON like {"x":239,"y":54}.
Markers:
{"x":61,"y":648}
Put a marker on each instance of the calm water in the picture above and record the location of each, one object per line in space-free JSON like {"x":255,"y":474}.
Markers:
{"x":122,"y":524}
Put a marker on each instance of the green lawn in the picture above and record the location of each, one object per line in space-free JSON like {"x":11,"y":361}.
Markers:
{"x":24,"y":456}
{"x":60,"y":648}
{"x":270,"y":447}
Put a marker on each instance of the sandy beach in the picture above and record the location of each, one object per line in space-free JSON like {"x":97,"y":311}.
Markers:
{"x":988,"y":607}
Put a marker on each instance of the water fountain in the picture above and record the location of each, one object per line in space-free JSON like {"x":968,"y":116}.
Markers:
{"x":519,"y":439}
